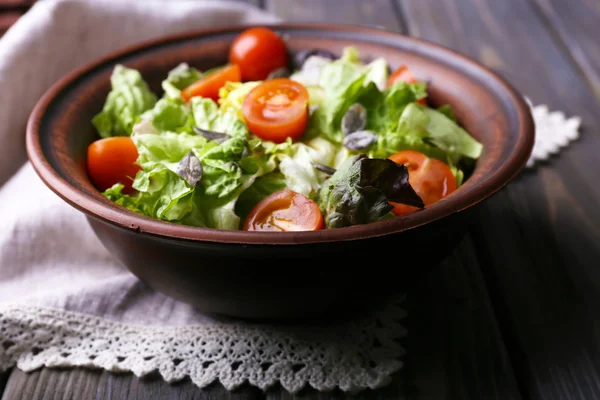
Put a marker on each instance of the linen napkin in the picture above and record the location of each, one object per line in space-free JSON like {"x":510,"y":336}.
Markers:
{"x":64,"y":301}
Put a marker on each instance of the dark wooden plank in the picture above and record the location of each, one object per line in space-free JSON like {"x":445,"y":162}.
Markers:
{"x":538,"y":241}
{"x":84,"y":384}
{"x":380,"y":13}
{"x":3,"y":380}
{"x":454,"y":347}
{"x":575,"y":23}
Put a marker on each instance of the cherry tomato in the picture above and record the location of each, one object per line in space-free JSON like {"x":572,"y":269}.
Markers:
{"x":209,"y":85}
{"x":404,"y":74}
{"x":432,"y":179}
{"x":112,"y":160}
{"x":277,"y":109}
{"x":258,"y":51}
{"x":285,"y":211}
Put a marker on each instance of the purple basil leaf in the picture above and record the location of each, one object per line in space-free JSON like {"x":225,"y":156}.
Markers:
{"x":391,"y":179}
{"x":190,"y":169}
{"x":219,"y":137}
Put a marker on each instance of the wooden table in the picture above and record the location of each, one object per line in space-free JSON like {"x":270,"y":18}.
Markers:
{"x":515,"y":312}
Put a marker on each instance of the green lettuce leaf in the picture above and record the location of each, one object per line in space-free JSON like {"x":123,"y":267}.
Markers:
{"x":298,"y":168}
{"x":351,"y":54}
{"x":129,"y":97}
{"x":115,"y":194}
{"x":262,"y":187}
{"x":377,"y":72}
{"x":447,"y":110}
{"x":170,"y":115}
{"x":449,"y":136}
{"x":178,"y":79}
{"x":168,"y":148}
{"x":428,"y":131}
{"x":208,"y":115}
{"x":384,"y":108}
{"x":359,"y":192}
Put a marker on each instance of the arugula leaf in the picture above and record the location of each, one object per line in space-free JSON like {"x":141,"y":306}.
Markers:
{"x":360,"y":190}
{"x":129,"y":97}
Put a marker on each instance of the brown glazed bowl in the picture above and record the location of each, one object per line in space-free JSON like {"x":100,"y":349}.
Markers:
{"x":282,"y":275}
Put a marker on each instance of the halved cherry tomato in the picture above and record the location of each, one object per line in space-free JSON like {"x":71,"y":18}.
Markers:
{"x":258,"y":51}
{"x":209,"y":85}
{"x":112,"y":160}
{"x":404,"y":74}
{"x":277,"y":109}
{"x":285,"y":211}
{"x":430,"y":178}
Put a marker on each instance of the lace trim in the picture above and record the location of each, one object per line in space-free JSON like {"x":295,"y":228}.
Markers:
{"x":355,"y":356}
{"x":553,"y":132}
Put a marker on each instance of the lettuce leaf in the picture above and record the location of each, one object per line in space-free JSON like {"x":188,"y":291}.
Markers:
{"x":449,"y":136}
{"x":129,"y":97}
{"x":262,"y":187}
{"x":359,"y":192}
{"x":384,"y":108}
{"x":299,"y":171}
{"x":178,"y":79}
{"x":430,"y":132}
{"x":170,"y":115}
{"x":207,"y":115}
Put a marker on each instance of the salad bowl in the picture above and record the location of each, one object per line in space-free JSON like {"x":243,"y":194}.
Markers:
{"x":268,"y":275}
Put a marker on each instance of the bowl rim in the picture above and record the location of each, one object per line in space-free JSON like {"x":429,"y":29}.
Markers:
{"x":129,"y":220}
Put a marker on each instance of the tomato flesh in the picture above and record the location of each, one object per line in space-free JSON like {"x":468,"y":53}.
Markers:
{"x":209,"y":86}
{"x":258,"y":51}
{"x":404,"y":74}
{"x":430,"y":178}
{"x":277,"y":109}
{"x":285,"y":211}
{"x":112,"y":160}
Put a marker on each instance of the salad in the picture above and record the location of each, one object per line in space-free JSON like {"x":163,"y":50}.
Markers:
{"x":274,"y":142}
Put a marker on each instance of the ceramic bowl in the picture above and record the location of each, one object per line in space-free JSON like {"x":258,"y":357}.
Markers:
{"x":292,"y":274}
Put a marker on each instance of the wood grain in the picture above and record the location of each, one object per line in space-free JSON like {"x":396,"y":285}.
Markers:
{"x":575,"y":24}
{"x":538,"y":241}
{"x":3,"y":380}
{"x":380,"y":13}
{"x":454,"y":347}
{"x":88,"y":384}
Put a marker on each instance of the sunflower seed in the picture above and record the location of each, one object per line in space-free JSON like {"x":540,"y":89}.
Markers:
{"x":219,"y":137}
{"x":359,"y":140}
{"x":245,"y":152}
{"x":190,"y":169}
{"x":282,"y":72}
{"x":324,"y":168}
{"x":354,"y":120}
